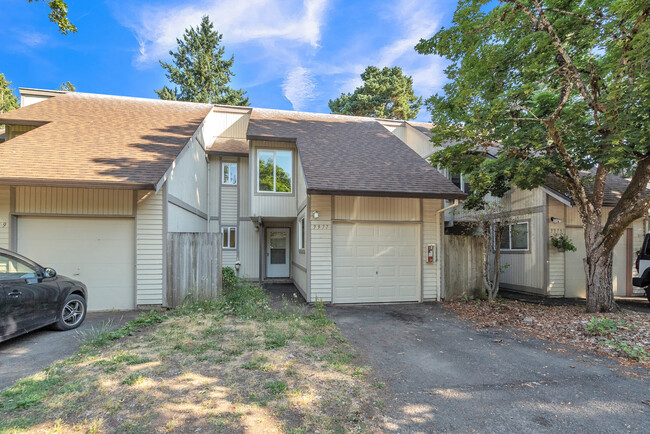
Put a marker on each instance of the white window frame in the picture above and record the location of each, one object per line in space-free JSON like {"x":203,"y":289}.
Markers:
{"x":509,"y":229}
{"x":275,"y":165}
{"x":223,"y":172}
{"x":225,"y":235}
{"x":463,"y":182}
{"x":302,"y":232}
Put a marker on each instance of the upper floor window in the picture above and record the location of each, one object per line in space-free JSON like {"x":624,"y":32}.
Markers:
{"x":229,"y":237}
{"x":515,"y":237}
{"x":460,"y":181}
{"x":229,"y":173}
{"x":274,"y":171}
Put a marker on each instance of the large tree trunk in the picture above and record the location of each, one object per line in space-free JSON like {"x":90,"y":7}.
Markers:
{"x":598,"y":270}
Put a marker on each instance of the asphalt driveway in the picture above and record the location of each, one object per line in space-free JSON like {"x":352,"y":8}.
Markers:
{"x":441,"y":374}
{"x":31,"y":353}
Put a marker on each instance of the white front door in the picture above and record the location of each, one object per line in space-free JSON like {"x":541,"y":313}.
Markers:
{"x":277,"y":252}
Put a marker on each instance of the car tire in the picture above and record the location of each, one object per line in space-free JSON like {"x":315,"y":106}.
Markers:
{"x":72,"y":313}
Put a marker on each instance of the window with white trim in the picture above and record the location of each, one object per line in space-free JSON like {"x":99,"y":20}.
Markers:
{"x":460,"y":181}
{"x":515,"y":237}
{"x":229,"y":173}
{"x":274,"y":171}
{"x":229,"y":236}
{"x":301,"y":234}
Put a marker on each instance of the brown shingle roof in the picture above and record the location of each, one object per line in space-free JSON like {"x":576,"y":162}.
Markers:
{"x":352,"y":155}
{"x":614,"y":187}
{"x":97,"y":140}
{"x":227,"y":146}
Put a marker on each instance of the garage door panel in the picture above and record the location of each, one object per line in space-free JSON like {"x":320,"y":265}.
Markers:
{"x":384,"y":268}
{"x":98,"y":252}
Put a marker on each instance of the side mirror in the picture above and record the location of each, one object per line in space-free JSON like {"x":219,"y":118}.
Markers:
{"x":50,"y":272}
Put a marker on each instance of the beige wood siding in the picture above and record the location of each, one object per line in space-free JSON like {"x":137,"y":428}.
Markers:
{"x":249,"y":250}
{"x":188,"y":178}
{"x":12,"y":131}
{"x":272,"y":204}
{"x":526,"y":270}
{"x":298,"y":256}
{"x":244,"y":188}
{"x":149,"y":248}
{"x":321,"y":249}
{"x":5,"y":204}
{"x":556,"y":259}
{"x":376,"y":208}
{"x":228,"y":206}
{"x":214,"y":179}
{"x":431,"y":235}
{"x":181,"y":220}
{"x":418,"y":142}
{"x":301,"y":190}
{"x":73,"y":201}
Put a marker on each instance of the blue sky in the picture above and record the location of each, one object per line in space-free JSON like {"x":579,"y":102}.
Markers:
{"x":289,"y":54}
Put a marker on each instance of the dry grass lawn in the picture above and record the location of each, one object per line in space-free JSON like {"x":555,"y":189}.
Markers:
{"x":230,"y":366}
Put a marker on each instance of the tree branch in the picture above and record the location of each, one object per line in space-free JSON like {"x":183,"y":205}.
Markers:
{"x":573,"y":14}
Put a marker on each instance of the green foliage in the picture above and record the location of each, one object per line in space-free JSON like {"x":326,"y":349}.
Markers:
{"x":563,"y":242}
{"x":133,"y":378}
{"x":259,"y":364}
{"x":603,"y":326}
{"x":199,"y":71}
{"x":30,"y":391}
{"x":59,"y":15}
{"x":276,"y":338}
{"x":635,"y":352}
{"x":102,"y":336}
{"x":228,"y":278}
{"x":282,"y":178}
{"x":385,"y":93}
{"x":69,"y":87}
{"x":276,"y":387}
{"x":8,"y":100}
{"x":508,"y":80}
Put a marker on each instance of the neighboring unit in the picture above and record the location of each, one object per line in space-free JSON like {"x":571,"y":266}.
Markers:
{"x":343,"y":207}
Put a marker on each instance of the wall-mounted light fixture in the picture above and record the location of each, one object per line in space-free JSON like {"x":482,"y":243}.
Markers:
{"x":237,"y":265}
{"x":555,"y":220}
{"x":315,"y":215}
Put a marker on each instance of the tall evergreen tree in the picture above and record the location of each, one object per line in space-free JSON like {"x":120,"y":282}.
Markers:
{"x":199,"y":71}
{"x":8,"y":100}
{"x":386,"y":93}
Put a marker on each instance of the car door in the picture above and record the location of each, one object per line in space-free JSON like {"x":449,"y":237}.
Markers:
{"x":20,"y":284}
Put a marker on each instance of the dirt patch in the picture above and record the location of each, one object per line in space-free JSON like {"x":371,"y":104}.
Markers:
{"x":624,"y":335}
{"x":203,"y":371}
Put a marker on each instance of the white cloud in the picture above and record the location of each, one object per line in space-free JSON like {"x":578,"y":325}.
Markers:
{"x":267,"y":22}
{"x":299,"y":87}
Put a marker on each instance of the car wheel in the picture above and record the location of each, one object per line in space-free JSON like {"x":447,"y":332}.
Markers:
{"x":72,"y":314}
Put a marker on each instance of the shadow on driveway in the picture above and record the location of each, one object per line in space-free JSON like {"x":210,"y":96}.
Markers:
{"x":31,"y":353}
{"x":444,"y":375}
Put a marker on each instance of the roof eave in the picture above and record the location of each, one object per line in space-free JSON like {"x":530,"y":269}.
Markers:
{"x":271,"y":138}
{"x":72,"y":183}
{"x":382,"y":193}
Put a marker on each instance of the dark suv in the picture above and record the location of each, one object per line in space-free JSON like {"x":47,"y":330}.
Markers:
{"x":643,"y":267}
{"x":32,"y":297}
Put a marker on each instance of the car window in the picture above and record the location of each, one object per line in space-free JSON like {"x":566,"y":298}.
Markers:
{"x":12,"y":268}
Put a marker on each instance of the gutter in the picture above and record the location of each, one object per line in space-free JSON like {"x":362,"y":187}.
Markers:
{"x":441,"y":262}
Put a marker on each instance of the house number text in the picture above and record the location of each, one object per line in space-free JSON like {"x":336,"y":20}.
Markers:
{"x":320,"y":227}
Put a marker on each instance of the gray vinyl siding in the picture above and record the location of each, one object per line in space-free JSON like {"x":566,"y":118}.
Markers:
{"x":5,"y":204}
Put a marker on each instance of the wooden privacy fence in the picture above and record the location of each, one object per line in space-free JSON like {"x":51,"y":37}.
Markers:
{"x":193,"y":267}
{"x":463,"y":266}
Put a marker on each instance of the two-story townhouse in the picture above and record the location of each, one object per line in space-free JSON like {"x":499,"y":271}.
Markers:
{"x":343,"y":207}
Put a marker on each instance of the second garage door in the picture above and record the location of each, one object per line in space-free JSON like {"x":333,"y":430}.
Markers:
{"x":375,"y":263}
{"x":99,"y":252}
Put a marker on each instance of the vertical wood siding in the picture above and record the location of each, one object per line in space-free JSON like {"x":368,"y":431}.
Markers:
{"x":215,"y":181}
{"x":244,"y":188}
{"x":249,"y":250}
{"x":431,"y":235}
{"x":5,"y":208}
{"x":376,"y":208}
{"x":556,"y":259}
{"x":526,"y":270}
{"x":188,"y":178}
{"x":298,"y":256}
{"x":12,"y":131}
{"x":418,"y":142}
{"x":74,"y":201}
{"x":321,"y":249}
{"x":149,"y":248}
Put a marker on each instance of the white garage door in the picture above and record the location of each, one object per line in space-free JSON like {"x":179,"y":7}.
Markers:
{"x":376,"y":263}
{"x":98,"y":252}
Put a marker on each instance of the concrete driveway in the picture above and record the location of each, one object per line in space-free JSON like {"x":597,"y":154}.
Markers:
{"x":31,"y":353}
{"x":443,"y":375}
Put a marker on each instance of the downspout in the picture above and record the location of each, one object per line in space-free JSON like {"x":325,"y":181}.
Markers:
{"x":441,"y":262}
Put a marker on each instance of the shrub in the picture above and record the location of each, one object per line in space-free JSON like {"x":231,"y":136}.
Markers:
{"x":603,"y":326}
{"x":228,"y":278}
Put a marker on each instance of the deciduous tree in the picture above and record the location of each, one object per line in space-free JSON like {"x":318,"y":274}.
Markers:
{"x":559,"y":87}
{"x":199,"y":71}
{"x":59,"y":15}
{"x":8,"y":100}
{"x":385,"y":93}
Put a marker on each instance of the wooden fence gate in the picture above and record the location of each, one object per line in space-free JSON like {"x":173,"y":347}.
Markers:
{"x":193,"y":266}
{"x":463,"y":266}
